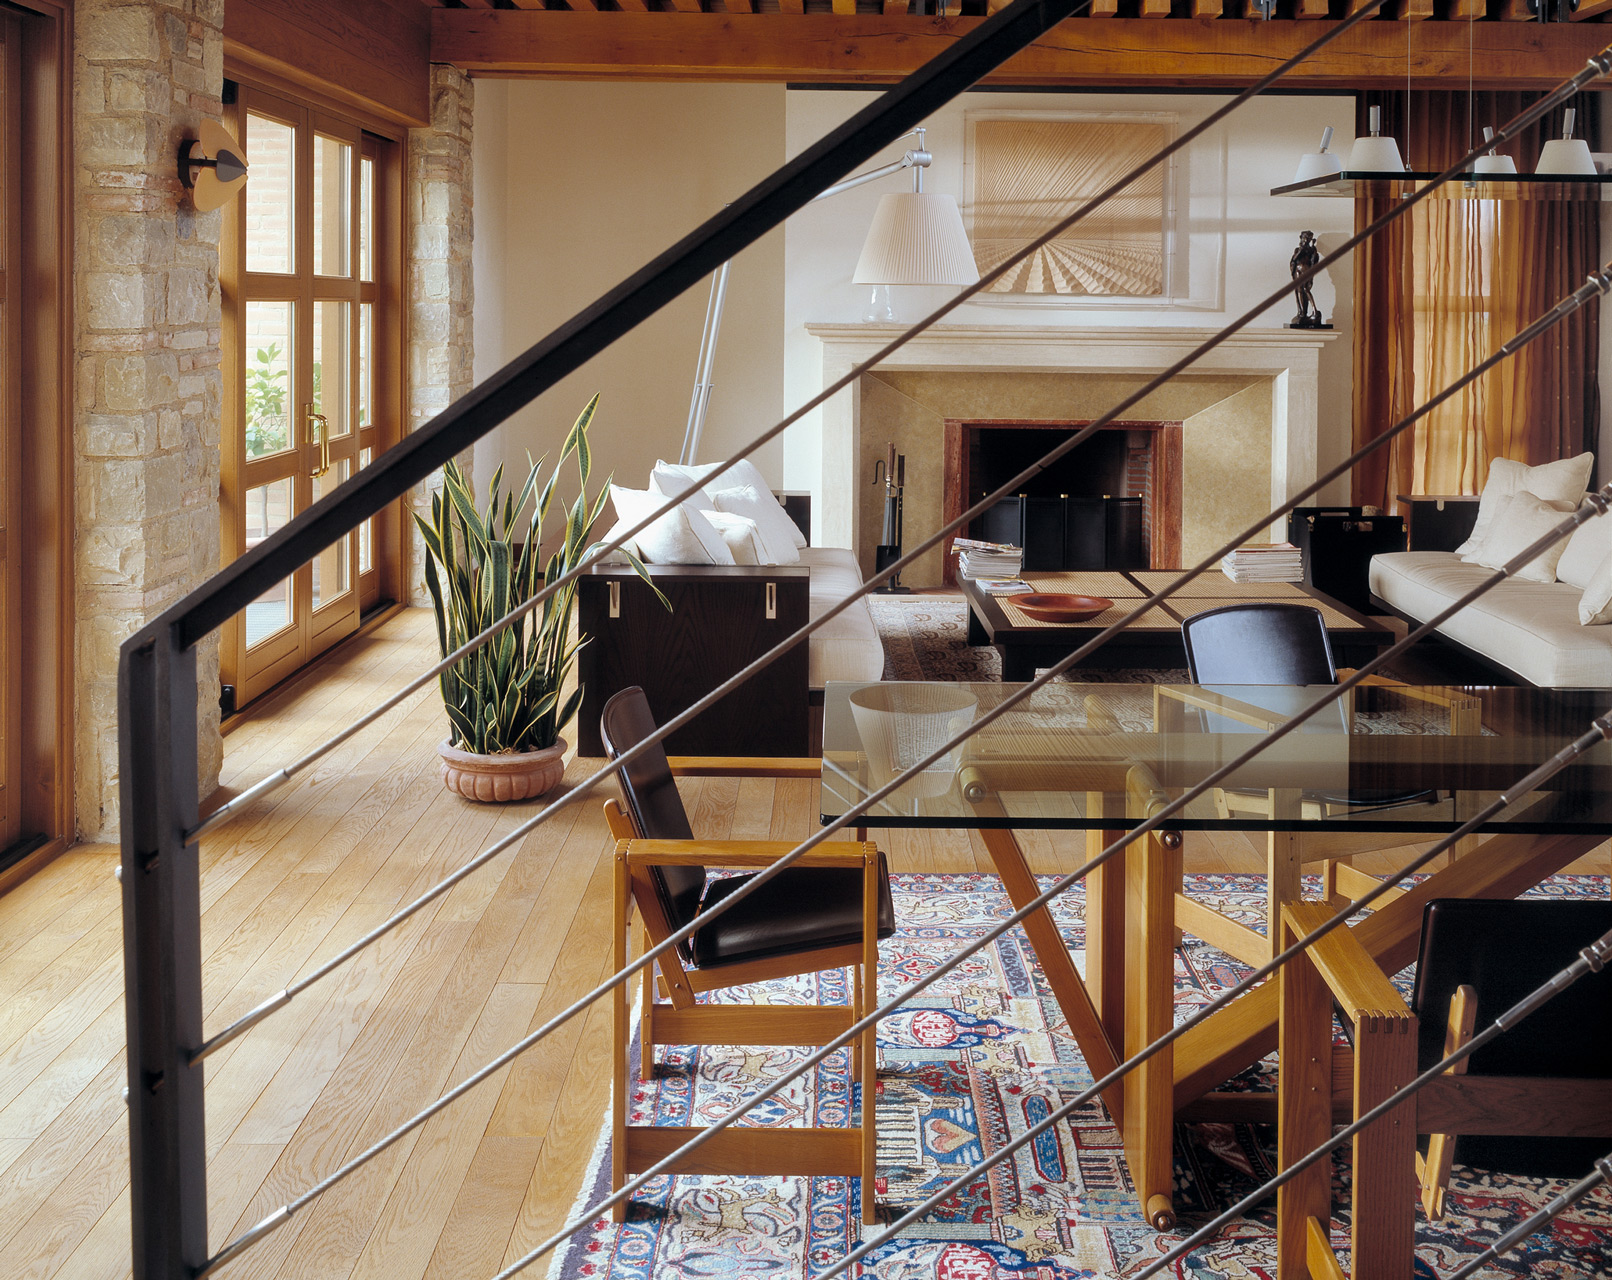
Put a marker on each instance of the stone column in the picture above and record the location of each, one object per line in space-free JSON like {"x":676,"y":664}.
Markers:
{"x":440,"y":289}
{"x":146,"y":426}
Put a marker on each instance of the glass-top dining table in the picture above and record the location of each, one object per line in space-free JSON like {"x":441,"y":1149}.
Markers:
{"x":1385,"y":765}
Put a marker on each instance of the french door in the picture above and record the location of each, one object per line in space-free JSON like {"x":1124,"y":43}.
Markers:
{"x":10,"y":436}
{"x":302,"y":340}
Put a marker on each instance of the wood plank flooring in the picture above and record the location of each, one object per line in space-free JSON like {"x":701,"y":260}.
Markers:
{"x":306,"y":872}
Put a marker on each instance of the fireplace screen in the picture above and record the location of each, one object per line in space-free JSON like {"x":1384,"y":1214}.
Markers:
{"x":1030,"y":173}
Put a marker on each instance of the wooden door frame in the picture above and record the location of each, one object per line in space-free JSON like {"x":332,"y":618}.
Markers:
{"x":374,"y":590}
{"x":47,"y":509}
{"x":1165,"y":552}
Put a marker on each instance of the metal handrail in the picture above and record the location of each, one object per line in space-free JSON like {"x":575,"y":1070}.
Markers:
{"x":597,"y":555}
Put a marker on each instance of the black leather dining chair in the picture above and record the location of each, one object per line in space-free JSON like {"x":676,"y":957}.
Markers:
{"x":826,"y":911}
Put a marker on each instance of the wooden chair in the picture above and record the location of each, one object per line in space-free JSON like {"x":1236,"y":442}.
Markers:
{"x":1540,"y":1095}
{"x":1262,"y":643}
{"x":828,"y":910}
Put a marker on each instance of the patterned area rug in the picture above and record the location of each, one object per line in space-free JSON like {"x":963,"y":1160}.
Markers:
{"x":926,"y":638}
{"x":976,"y":1060}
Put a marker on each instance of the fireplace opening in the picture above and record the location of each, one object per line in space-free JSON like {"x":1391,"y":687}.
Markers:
{"x":1113,"y":502}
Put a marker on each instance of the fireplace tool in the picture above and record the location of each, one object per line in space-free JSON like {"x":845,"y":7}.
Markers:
{"x":891,"y":472}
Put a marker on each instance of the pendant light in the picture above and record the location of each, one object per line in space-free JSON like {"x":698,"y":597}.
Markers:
{"x":1319,"y":164}
{"x":1375,"y":153}
{"x":1493,"y":162}
{"x":1567,"y":154}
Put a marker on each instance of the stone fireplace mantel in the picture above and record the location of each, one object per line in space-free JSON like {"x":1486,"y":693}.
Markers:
{"x":1289,"y":358}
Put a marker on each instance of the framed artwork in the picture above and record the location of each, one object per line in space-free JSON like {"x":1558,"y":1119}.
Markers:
{"x":1026,"y":172}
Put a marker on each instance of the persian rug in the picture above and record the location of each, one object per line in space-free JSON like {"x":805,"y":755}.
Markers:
{"x":973,"y":1062}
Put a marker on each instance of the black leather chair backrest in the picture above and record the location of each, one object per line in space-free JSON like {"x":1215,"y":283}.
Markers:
{"x":651,"y":792}
{"x":1506,"y":948}
{"x":1259,"y":644}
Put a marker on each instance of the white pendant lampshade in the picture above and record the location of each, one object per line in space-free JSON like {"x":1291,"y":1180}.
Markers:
{"x":1319,"y":164}
{"x":1375,"y":153}
{"x":1567,"y":154}
{"x":1494,"y":162}
{"x":916,"y":238}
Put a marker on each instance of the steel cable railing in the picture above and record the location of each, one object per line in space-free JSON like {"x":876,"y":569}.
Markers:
{"x":1596,"y":285}
{"x":188,"y":620}
{"x":267,"y":784}
{"x":1602,"y":500}
{"x":1546,"y":1213}
{"x":264,"y":786}
{"x":1592,"y":959}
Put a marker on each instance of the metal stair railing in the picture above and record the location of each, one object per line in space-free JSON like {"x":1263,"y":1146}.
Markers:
{"x":157,"y":702}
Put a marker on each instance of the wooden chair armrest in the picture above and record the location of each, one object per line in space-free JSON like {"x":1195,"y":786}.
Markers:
{"x":1220,"y":704}
{"x":1466,"y":709}
{"x":1361,"y":988}
{"x":746,"y":767}
{"x":743,"y":853}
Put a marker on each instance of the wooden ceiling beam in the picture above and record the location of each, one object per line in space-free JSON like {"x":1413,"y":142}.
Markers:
{"x":1591,"y":9}
{"x":826,"y":48}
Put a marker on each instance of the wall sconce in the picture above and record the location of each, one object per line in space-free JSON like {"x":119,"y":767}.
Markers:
{"x":212,"y":167}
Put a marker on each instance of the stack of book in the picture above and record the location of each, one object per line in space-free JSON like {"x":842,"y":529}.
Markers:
{"x":978,"y":559}
{"x":1003,"y":586}
{"x":1264,"y":562}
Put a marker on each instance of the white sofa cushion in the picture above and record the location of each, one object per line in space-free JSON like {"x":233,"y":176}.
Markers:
{"x":763,"y":509}
{"x":742,"y":537}
{"x":1531,"y":628}
{"x":1587,"y":550}
{"x":847,"y":646}
{"x":1517,"y":526}
{"x":1560,"y":481}
{"x":682,"y":536}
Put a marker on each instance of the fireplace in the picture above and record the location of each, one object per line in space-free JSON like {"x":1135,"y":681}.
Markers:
{"x":1113,"y":502}
{"x":1250,"y":415}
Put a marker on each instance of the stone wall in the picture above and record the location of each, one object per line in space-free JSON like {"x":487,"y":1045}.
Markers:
{"x":440,"y":294}
{"x":146,"y":427}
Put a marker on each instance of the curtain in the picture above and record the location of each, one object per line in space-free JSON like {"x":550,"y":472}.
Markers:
{"x":1441,"y":289}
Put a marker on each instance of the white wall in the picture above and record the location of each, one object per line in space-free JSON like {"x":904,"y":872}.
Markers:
{"x":1239,"y":236}
{"x":578,"y":185}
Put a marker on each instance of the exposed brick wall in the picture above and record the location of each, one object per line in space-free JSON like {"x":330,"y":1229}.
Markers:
{"x":146,"y":73}
{"x":440,"y":292}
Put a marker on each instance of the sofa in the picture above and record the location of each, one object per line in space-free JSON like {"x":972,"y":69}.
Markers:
{"x":1548,"y":629}
{"x":724,"y":616}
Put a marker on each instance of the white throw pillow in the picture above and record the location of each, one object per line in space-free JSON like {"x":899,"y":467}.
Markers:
{"x":669,"y":478}
{"x":631,"y":544}
{"x":1519,"y":524}
{"x":742,"y":537}
{"x":1595,"y":605}
{"x":769,"y":517}
{"x":682,"y":536}
{"x":1561,"y":481}
{"x":1587,"y":550}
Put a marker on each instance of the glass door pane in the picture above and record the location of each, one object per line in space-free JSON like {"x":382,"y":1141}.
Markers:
{"x":268,"y":331}
{"x":268,"y":508}
{"x":270,"y":195}
{"x":332,"y":205}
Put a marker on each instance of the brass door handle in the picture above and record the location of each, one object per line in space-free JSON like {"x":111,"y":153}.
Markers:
{"x":323,"y":424}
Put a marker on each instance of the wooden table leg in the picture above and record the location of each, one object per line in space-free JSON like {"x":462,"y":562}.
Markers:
{"x":1056,"y":963}
{"x":1149,"y":1126}
{"x":1304,"y":1093}
{"x":1240,"y":1035}
{"x":1105,"y":926}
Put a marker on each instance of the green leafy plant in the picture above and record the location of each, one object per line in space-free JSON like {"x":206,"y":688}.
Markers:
{"x":479,"y":566}
{"x":265,"y":403}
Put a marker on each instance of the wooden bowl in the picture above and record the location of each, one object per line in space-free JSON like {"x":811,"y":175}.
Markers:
{"x":1061,"y":608}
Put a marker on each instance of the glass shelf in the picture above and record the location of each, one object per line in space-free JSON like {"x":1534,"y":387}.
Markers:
{"x":1359,"y":185}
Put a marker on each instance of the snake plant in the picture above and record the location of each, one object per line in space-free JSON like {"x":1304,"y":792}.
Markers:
{"x":505,"y":697}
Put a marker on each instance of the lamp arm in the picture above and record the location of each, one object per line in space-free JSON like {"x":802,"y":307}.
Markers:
{"x":917,"y":159}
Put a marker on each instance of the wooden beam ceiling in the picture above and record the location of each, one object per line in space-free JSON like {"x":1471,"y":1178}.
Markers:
{"x":827,"y":48}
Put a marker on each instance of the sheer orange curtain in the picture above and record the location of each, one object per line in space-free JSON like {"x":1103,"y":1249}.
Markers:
{"x":1443,"y":288}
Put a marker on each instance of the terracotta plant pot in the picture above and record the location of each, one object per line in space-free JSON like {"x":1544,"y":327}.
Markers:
{"x":517,"y":776}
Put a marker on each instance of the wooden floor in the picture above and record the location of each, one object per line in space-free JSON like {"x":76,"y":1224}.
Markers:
{"x":310,"y":869}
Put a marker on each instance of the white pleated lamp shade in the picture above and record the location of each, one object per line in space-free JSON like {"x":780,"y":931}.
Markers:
{"x":1375,"y":155}
{"x":1567,"y":156}
{"x":917,"y":237}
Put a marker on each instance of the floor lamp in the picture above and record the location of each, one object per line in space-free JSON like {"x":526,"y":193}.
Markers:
{"x":916,"y":238}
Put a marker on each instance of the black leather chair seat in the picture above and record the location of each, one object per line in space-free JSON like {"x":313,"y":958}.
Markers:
{"x":802,"y":909}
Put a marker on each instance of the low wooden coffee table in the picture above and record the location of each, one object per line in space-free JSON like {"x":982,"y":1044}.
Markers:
{"x":1153,"y":640}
